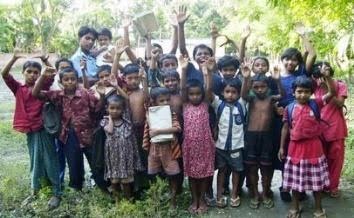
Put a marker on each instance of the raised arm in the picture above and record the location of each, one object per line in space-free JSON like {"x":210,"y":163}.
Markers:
{"x":143,"y":77}
{"x":47,"y":73}
{"x":325,"y":71}
{"x":208,"y":68}
{"x":130,"y":53}
{"x":276,"y":78}
{"x":120,"y":48}
{"x":214,"y":35}
{"x":45,"y":59}
{"x":174,"y":37}
{"x":310,"y":58}
{"x":6,"y":70}
{"x":154,"y":58}
{"x":182,"y":17}
{"x":246,"y":73}
{"x":84,"y":75}
{"x":244,"y":36}
{"x":183,"y":63}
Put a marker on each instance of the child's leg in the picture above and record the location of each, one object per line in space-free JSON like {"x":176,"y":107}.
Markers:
{"x":318,"y":203}
{"x":266,"y":172}
{"x":204,"y":184}
{"x":252,"y":176}
{"x":220,"y":182}
{"x":295,"y":201}
{"x":173,"y":188}
{"x":193,"y":184}
{"x":335,"y":159}
{"x":127,"y":190}
{"x":235,"y":182}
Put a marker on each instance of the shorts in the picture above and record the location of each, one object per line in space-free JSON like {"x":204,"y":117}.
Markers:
{"x":231,"y":159}
{"x":127,"y":180}
{"x":160,"y":158}
{"x":259,"y":148}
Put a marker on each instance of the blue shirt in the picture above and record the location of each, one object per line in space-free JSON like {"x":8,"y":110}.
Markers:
{"x":91,"y":67}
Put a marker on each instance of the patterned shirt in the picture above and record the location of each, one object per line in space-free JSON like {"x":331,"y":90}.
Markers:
{"x":78,"y":112}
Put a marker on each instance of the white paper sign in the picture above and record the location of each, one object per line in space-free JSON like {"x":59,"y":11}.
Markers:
{"x":160,"y":117}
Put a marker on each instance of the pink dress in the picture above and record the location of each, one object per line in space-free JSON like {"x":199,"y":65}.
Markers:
{"x":198,"y":148}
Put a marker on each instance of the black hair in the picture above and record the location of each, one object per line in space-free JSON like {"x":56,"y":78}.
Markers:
{"x":261,"y":58}
{"x":86,"y":30}
{"x":33,"y":64}
{"x":170,"y":73}
{"x":157,"y":45}
{"x":194,"y":83}
{"x":166,"y":56}
{"x":103,"y":68}
{"x":202,"y":46}
{"x":67,"y":70}
{"x":226,"y":61}
{"x":316,"y":69}
{"x":292,"y":52}
{"x":130,"y":68}
{"x":234,"y":82}
{"x":105,"y":32}
{"x":116,"y":99}
{"x":260,"y":78}
{"x":57,"y":62}
{"x":158,"y":91}
{"x":303,"y":82}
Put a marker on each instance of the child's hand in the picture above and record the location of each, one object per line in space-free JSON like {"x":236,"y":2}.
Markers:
{"x":120,"y":47}
{"x":281,"y":154}
{"x":300,"y":28}
{"x":43,"y":57}
{"x":214,"y":32}
{"x":246,"y":32}
{"x":153,"y":132}
{"x":246,"y":68}
{"x":17,"y":54}
{"x":182,"y":16}
{"x":183,"y":62}
{"x":276,"y":72}
{"x":49,"y":72}
{"x":155,"y":53}
{"x":279,"y":110}
{"x":142,"y":73}
{"x":325,"y":70}
{"x":83,"y":64}
{"x":173,"y":20}
{"x":210,"y":64}
{"x":113,"y":80}
{"x":100,"y":88}
{"x":126,"y":22}
{"x":108,"y":57}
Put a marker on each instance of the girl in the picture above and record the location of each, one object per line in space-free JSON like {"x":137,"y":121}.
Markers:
{"x":305,"y":164}
{"x":121,"y":152}
{"x":198,"y":148}
{"x":44,"y":161}
{"x":334,"y":136}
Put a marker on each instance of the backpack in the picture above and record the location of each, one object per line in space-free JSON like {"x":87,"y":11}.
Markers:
{"x":238,"y":106}
{"x":51,"y":117}
{"x":313,"y":105}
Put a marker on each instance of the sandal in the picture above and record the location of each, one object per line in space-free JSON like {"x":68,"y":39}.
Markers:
{"x":235,"y":202}
{"x":254,"y":203}
{"x":222,"y":202}
{"x":334,"y":194}
{"x":322,"y":214}
{"x":192,"y":209}
{"x":268,"y":203}
{"x":294,"y":214}
{"x":202,"y":210}
{"x":209,"y":201}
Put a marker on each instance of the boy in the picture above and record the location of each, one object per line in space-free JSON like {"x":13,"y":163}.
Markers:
{"x":44,"y":160}
{"x":104,"y":38}
{"x":228,"y":66}
{"x":164,"y":154}
{"x":77,"y":107}
{"x":229,"y":145}
{"x":259,"y":147}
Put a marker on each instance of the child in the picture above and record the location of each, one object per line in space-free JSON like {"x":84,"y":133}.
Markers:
{"x":121,"y":152}
{"x":228,"y":67}
{"x":230,"y":142}
{"x":164,"y":154}
{"x":336,"y":131}
{"x":44,"y":162}
{"x":259,"y":147}
{"x":60,"y":64}
{"x":198,"y":145}
{"x":171,"y":80}
{"x":77,"y":107}
{"x":104,"y":38}
{"x":305,"y":164}
{"x":104,"y":77}
{"x":159,"y":66}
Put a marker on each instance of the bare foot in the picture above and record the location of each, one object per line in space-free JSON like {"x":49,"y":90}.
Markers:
{"x":193,"y":208}
{"x":203,"y":207}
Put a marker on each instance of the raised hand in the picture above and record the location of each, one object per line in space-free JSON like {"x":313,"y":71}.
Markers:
{"x":83,"y":64}
{"x":100,"y":88}
{"x":246,"y":32}
{"x":155,"y":53}
{"x":44,"y":57}
{"x":276,"y":72}
{"x":214,"y":32}
{"x":126,"y":22}
{"x":142,"y":73}
{"x":182,"y":16}
{"x":246,"y":67}
{"x":173,"y":20}
{"x":17,"y":54}
{"x":325,"y":70}
{"x":183,"y":62}
{"x":120,"y":47}
{"x":49,"y":72}
{"x":300,"y":28}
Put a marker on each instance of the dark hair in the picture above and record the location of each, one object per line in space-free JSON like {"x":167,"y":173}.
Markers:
{"x":57,"y":62}
{"x":194,"y":83}
{"x":316,"y":69}
{"x":130,"y":68}
{"x":202,"y":46}
{"x":105,"y":32}
{"x":103,"y":68}
{"x":226,"y":61}
{"x":303,"y":82}
{"x":158,"y":91}
{"x":33,"y":64}
{"x":261,"y":58}
{"x":84,"y":30}
{"x":292,"y":52}
{"x":67,"y":70}
{"x":260,"y":78}
{"x":165,"y":57}
{"x":157,"y":45}
{"x":234,"y":82}
{"x":170,"y":73}
{"x":114,"y":98}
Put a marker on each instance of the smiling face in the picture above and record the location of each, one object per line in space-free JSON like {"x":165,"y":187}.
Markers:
{"x":31,"y":75}
{"x":87,"y":41}
{"x":201,"y":55}
{"x":69,"y":82}
{"x":171,"y":83}
{"x":169,"y":64}
{"x":290,"y":63}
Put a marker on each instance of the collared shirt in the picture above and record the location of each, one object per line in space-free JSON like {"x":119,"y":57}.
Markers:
{"x":229,"y":130}
{"x":91,"y":67}
{"x":78,"y":112}
{"x":28,"y":109}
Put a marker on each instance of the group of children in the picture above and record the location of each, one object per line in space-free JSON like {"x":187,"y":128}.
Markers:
{"x":227,"y":115}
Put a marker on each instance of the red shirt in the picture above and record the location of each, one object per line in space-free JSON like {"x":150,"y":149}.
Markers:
{"x":78,"y":112}
{"x":335,"y":125}
{"x":28,"y":109}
